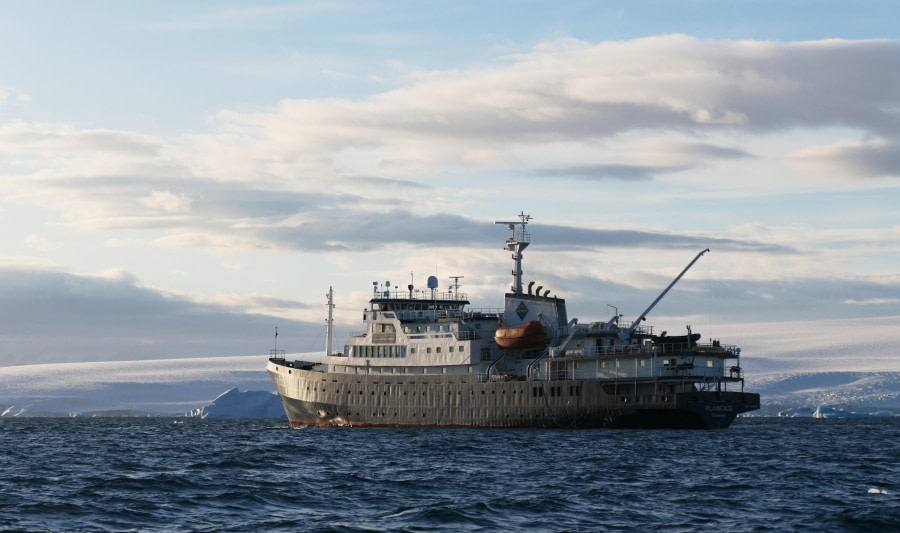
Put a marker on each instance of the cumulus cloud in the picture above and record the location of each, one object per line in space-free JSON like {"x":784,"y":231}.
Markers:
{"x":629,"y":111}
{"x":573,"y":90}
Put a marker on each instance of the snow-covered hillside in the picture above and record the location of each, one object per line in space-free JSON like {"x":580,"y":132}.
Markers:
{"x":848,"y":363}
{"x":174,"y":386}
{"x":845,"y":363}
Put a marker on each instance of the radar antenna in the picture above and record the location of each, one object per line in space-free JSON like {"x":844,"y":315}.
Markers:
{"x":517,"y":241}
{"x":455,"y":286}
{"x":329,"y":323}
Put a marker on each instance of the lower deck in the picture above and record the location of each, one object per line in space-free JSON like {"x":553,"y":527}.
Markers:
{"x":317,"y":398}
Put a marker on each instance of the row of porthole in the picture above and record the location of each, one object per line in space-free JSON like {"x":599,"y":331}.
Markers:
{"x":423,"y":393}
{"x":426,"y":414}
{"x":625,"y":399}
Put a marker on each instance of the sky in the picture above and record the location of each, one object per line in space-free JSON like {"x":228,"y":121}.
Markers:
{"x":177,"y":179}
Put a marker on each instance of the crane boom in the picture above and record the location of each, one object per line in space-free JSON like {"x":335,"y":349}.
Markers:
{"x":660,"y":297}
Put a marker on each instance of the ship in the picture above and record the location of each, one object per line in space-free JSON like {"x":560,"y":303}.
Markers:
{"x":426,"y":358}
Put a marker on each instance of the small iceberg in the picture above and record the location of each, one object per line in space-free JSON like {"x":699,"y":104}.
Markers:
{"x":234,"y":403}
{"x":831,"y":412}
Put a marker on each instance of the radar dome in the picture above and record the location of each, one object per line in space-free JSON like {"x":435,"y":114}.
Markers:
{"x":432,"y":282}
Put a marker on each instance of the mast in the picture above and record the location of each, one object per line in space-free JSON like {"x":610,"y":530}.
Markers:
{"x":329,"y":324}
{"x":455,"y":286}
{"x":517,"y":241}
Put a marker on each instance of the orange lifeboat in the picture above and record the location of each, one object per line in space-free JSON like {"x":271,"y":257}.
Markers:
{"x":528,"y":335}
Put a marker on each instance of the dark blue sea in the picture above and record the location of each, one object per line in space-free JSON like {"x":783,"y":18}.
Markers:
{"x":137,"y":474}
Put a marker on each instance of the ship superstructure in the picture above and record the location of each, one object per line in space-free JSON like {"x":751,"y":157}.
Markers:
{"x":425,"y":358}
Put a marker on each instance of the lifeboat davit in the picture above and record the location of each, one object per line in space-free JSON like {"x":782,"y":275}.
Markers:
{"x":528,"y":335}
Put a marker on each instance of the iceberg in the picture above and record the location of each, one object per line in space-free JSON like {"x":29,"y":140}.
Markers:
{"x":234,"y":403}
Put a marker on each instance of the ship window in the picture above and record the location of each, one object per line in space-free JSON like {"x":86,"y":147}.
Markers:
{"x":709,"y":363}
{"x":643,"y":362}
{"x":412,"y":349}
{"x":462,"y":348}
{"x":438,"y":349}
{"x":428,"y":350}
{"x":451,"y":349}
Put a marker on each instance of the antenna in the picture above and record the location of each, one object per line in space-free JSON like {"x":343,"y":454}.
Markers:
{"x":517,"y":241}
{"x":455,"y":286}
{"x":329,"y":324}
{"x":276,"y":353}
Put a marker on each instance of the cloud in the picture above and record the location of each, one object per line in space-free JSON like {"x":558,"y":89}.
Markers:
{"x":166,"y":201}
{"x":604,"y":172}
{"x":574,"y":89}
{"x":342,"y":174}
{"x":10,"y":97}
{"x":874,"y":158}
{"x":39,"y":243}
{"x":874,"y":301}
{"x":348,"y":230}
{"x":701,"y":301}
{"x":54,"y":316}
